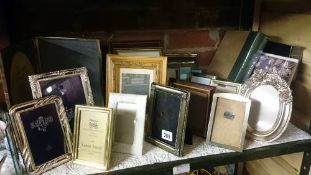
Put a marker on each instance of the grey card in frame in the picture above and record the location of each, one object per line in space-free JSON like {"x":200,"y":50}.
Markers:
{"x":135,"y":81}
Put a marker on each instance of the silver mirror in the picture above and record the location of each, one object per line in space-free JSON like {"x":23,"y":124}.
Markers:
{"x":271,"y":105}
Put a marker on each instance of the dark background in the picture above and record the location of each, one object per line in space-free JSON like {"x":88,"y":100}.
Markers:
{"x":27,"y":18}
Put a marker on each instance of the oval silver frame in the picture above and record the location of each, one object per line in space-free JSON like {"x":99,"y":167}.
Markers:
{"x":260,"y":78}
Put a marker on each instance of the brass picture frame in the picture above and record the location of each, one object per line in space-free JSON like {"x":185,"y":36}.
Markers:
{"x":226,"y":86}
{"x":135,"y":72}
{"x":166,"y":127}
{"x":42,"y":120}
{"x":72,"y":85}
{"x":136,"y":48}
{"x":93,"y":134}
{"x":228,"y":121}
{"x":201,"y":97}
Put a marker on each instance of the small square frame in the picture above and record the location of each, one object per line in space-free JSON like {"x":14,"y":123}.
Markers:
{"x":184,"y":97}
{"x":229,"y":116}
{"x":107,"y":123}
{"x":138,"y":104}
{"x":23,"y":144}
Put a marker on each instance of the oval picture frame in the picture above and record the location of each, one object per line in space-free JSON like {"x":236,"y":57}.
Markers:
{"x":261,"y":79}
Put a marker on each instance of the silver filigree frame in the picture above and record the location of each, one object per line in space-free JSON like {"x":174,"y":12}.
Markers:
{"x":34,"y":81}
{"x":258,"y":79}
{"x":184,"y":96}
{"x":22,"y":140}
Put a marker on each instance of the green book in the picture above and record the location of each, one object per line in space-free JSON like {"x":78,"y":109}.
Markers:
{"x":255,"y":41}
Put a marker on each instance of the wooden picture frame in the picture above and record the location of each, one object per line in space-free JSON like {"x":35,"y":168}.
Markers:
{"x":130,"y":111}
{"x":72,"y":85}
{"x":226,"y":86}
{"x":166,"y":127}
{"x":137,"y":48}
{"x":228,"y":121}
{"x":139,"y":71}
{"x":182,"y":60}
{"x":201,"y":97}
{"x":42,"y":133}
{"x":93,"y":132}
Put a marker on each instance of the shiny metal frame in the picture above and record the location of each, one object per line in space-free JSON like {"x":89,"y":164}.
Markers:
{"x":22,"y":140}
{"x":108,"y":138}
{"x":34,"y":81}
{"x":226,"y":84}
{"x":182,"y":120}
{"x":258,"y":79}
{"x":236,"y":98}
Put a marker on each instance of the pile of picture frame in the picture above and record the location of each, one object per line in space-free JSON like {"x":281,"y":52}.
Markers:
{"x":142,"y":103}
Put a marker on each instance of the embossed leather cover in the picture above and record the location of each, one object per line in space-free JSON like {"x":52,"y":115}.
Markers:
{"x":199,"y":105}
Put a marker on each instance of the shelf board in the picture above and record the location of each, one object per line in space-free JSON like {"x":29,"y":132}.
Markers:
{"x":199,"y":155}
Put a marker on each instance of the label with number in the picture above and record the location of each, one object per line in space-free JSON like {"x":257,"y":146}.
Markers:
{"x":166,"y":135}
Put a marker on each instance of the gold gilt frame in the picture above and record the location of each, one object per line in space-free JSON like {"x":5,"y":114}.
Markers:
{"x":22,"y":140}
{"x":95,"y":135}
{"x":116,"y":62}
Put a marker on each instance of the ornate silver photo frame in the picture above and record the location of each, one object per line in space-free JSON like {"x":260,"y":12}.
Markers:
{"x":42,"y":133}
{"x":72,"y":85}
{"x":272,"y":105}
{"x":167,"y":118}
{"x":228,"y":121}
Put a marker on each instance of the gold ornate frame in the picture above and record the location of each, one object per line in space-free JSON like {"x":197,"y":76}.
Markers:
{"x":22,"y":140}
{"x":108,"y":138}
{"x":244,"y":120}
{"x":184,"y":97}
{"x":116,"y":62}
